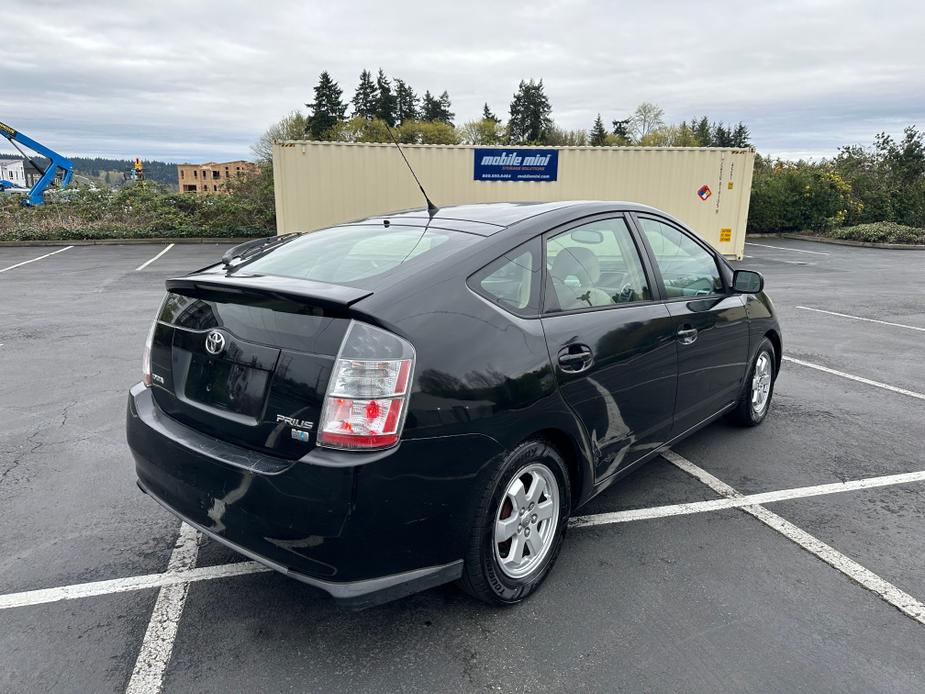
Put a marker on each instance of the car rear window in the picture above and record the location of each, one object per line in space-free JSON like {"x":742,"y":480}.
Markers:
{"x":350,"y":254}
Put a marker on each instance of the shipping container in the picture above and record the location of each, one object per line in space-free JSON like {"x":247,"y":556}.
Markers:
{"x":323,"y":183}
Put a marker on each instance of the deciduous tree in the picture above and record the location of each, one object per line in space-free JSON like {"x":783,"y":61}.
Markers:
{"x":291,"y":127}
{"x":482,"y":132}
{"x":646,"y":118}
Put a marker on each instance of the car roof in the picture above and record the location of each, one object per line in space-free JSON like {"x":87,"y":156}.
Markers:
{"x":486,"y":219}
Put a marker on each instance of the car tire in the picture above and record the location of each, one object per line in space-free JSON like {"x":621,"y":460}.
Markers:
{"x":755,"y":401}
{"x":492,"y":572}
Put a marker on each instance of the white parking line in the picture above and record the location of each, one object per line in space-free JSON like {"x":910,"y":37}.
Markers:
{"x":781,"y":248}
{"x":157,"y":646}
{"x":859,"y":379}
{"x":868,"y":320}
{"x":899,"y":599}
{"x":76,"y":591}
{"x":26,"y":262}
{"x":148,"y":262}
{"x":744,"y":500}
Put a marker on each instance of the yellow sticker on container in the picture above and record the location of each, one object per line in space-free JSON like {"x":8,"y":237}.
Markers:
{"x":725,"y":235}
{"x":729,"y":185}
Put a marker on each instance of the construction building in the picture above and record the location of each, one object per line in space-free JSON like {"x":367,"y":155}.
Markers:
{"x":211,"y":176}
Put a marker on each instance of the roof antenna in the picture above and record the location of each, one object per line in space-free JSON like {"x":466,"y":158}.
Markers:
{"x":432,"y":209}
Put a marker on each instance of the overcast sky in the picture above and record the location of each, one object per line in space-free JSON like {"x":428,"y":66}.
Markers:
{"x":196,"y":80}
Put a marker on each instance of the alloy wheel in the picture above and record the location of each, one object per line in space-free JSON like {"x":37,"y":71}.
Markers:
{"x":525,"y":525}
{"x":761,"y":383}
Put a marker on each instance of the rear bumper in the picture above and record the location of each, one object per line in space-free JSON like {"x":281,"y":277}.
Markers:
{"x":366,"y":528}
{"x":351,"y":594}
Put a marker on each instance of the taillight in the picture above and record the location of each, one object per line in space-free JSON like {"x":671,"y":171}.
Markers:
{"x":367,"y":397}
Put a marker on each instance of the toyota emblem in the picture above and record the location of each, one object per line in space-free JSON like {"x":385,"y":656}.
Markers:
{"x":215,"y":342}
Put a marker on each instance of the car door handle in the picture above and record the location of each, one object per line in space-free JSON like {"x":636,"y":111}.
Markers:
{"x":575,"y":358}
{"x":687,"y":336}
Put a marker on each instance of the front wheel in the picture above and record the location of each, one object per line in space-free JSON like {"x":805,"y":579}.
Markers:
{"x":520,"y":526}
{"x":755,"y":400}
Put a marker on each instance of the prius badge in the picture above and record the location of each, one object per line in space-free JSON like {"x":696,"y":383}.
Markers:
{"x":299,"y":429}
{"x":215,"y":342}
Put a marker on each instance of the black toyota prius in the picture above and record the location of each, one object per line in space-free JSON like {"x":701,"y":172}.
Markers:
{"x":425,"y":397}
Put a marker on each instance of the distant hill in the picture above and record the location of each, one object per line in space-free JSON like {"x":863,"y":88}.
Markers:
{"x":109,"y":172}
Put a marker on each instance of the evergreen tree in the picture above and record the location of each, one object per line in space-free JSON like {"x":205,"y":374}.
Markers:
{"x":437,"y":109}
{"x":429,"y":106}
{"x":530,"y":113}
{"x":446,"y":115}
{"x":327,"y":110}
{"x":703,"y":131}
{"x":385,"y":99}
{"x":740,"y":136}
{"x":406,"y":102}
{"x":598,"y":136}
{"x":488,"y":115}
{"x":621,"y":128}
{"x":722,"y":136}
{"x":366,"y":97}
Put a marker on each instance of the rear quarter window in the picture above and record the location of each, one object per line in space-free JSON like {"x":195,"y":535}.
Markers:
{"x":351,"y":254}
{"x":513,"y":280}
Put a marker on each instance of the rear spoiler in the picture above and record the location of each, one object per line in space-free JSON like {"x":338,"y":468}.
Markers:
{"x":288,"y":288}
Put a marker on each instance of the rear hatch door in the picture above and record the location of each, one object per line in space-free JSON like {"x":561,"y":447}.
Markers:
{"x":246,"y":359}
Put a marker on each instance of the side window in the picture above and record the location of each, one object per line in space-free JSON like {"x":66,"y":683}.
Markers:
{"x":512,"y":281}
{"x":687,"y":268}
{"x":593,"y":265}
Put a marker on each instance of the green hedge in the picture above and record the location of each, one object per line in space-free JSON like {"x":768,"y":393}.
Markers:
{"x":881,"y":232}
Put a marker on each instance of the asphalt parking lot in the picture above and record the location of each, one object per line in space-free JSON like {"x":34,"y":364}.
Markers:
{"x":681,"y":587}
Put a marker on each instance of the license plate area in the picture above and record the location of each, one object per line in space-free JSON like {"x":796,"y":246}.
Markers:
{"x":226,"y":385}
{"x":232,"y":385}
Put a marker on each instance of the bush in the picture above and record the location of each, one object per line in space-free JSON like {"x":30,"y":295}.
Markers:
{"x":144,"y":211}
{"x":862,"y":185}
{"x":798,"y":196}
{"x":881,"y":232}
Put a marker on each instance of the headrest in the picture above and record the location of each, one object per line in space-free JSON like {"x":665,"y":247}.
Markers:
{"x":578,"y":262}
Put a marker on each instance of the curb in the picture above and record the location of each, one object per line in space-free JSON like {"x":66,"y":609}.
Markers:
{"x":860,"y":244}
{"x":131,"y":242}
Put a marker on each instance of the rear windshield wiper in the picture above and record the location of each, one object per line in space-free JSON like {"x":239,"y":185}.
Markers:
{"x":238,"y":254}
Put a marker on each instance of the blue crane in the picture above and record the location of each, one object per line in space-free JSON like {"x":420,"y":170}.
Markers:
{"x":36,"y":194}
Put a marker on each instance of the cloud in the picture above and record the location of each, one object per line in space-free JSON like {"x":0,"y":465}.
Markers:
{"x":202,"y":80}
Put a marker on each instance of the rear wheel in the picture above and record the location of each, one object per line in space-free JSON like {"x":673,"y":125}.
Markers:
{"x":520,"y":526}
{"x":755,"y":400}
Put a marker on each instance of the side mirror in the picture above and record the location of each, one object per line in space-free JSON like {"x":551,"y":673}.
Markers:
{"x":747,"y":281}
